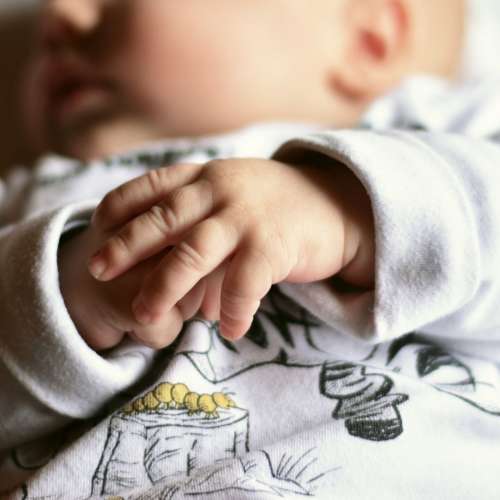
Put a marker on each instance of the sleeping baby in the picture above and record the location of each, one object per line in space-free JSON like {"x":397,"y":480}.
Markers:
{"x":262,"y":257}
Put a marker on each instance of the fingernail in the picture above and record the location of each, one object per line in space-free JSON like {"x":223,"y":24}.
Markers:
{"x":97,"y":266}
{"x":141,"y":312}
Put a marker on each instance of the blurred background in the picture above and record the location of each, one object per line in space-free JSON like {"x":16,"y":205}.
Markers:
{"x":16,"y":30}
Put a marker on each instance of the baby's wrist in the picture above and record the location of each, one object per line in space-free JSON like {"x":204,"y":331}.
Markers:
{"x":351,"y":200}
{"x":359,"y":245}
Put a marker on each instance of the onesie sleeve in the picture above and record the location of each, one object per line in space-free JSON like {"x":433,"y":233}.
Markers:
{"x":435,"y":198}
{"x":48,"y":374}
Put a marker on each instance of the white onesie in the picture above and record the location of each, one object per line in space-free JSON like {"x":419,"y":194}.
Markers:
{"x":482,"y":40}
{"x":388,"y":394}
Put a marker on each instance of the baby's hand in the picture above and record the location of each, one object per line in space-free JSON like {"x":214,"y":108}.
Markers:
{"x":262,"y":220}
{"x":101,"y":311}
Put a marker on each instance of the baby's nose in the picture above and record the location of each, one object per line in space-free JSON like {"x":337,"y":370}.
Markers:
{"x":62,"y":21}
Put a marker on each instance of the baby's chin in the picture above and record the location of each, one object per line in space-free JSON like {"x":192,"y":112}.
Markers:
{"x":98,"y":140}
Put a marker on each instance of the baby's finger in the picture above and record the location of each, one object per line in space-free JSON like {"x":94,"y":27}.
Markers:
{"x":168,"y":328}
{"x":137,"y":195}
{"x":248,"y":279}
{"x":190,"y":304}
{"x":152,"y":231}
{"x":210,"y":306}
{"x":162,"y":334}
{"x":203,"y":250}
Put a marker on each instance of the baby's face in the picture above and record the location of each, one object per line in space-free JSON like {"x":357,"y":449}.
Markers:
{"x":110,"y":74}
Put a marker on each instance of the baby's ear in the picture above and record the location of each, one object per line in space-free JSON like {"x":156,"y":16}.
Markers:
{"x":377,"y":49}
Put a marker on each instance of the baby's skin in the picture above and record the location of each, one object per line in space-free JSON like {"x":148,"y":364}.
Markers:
{"x":212,"y":239}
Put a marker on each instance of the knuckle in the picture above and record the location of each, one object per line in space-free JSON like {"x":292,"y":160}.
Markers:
{"x":178,"y":200}
{"x":196,"y":252}
{"x":163,"y":218}
{"x":109,"y":207}
{"x":222,"y":177}
{"x":118,"y":196}
{"x":106,"y":206}
{"x":217,"y":164}
{"x":233,"y":296}
{"x":119,"y":245}
{"x":214,"y":230}
{"x":154,"y":180}
{"x":190,"y":257}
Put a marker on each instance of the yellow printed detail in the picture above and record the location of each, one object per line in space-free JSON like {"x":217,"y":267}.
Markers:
{"x":179,"y":392}
{"x":150,"y":401}
{"x":191,"y":402}
{"x":223,"y":400}
{"x":138,"y":405}
{"x":163,"y":393}
{"x":178,"y":396}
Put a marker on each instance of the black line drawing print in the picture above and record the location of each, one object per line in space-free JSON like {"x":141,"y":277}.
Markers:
{"x":170,"y":424}
{"x":169,"y":431}
{"x":442,"y":370}
{"x":274,"y":336}
{"x":364,"y":400}
{"x":142,"y":159}
{"x":162,"y":157}
{"x":167,"y":434}
{"x":282,"y":314}
{"x":243,"y":478}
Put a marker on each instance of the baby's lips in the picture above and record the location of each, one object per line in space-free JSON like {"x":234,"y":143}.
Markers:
{"x":69,"y":83}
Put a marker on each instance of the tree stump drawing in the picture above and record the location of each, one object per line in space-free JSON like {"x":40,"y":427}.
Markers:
{"x":144,"y":448}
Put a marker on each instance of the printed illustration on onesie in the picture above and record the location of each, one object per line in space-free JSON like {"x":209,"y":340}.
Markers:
{"x":201,"y":435}
{"x":198,"y":436}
